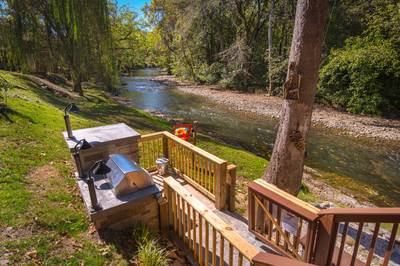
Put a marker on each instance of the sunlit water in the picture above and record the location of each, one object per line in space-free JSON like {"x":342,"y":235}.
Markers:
{"x":357,"y":165}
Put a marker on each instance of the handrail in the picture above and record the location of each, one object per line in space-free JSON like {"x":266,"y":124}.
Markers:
{"x":325,"y":241}
{"x":282,"y":220}
{"x":203,"y":170}
{"x":184,"y":210}
{"x":366,"y":215}
{"x":275,"y":194}
{"x":338,"y":223}
{"x":194,"y":148}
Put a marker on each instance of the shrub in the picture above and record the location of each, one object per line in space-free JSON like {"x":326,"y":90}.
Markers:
{"x":5,"y":86}
{"x":363,"y":77}
{"x":149,"y":252}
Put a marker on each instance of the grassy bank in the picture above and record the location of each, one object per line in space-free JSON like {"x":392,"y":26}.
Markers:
{"x":42,"y":218}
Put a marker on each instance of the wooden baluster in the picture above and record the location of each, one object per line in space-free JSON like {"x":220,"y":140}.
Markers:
{"x":193,"y":171}
{"x":230,"y":254}
{"x":221,"y":251}
{"x":214,"y":246}
{"x":188,"y":161}
{"x":150,"y":152}
{"x":180,"y":217}
{"x":175,"y":215}
{"x":285,"y":243}
{"x":389,"y":250}
{"x":240,"y":260}
{"x":206,"y":250}
{"x":171,"y":150}
{"x":200,"y":239}
{"x":207,"y":177}
{"x":154,"y":156}
{"x":184,"y":221}
{"x":145,"y":159}
{"x":199,"y":176}
{"x":310,"y":240}
{"x":178,"y":156}
{"x":184,"y":168}
{"x":211,"y":177}
{"x":197,"y":169}
{"x":251,"y":209}
{"x":296,"y":240}
{"x":194,"y":236}
{"x":140,"y":152}
{"x":270,"y":224}
{"x":189,"y":225}
{"x":372,"y":245}
{"x":183,"y":160}
{"x":203,"y":172}
{"x":358,"y":237}
{"x":278,"y":219}
{"x":342,"y":243}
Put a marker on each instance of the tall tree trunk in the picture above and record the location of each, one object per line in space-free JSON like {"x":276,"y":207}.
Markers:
{"x":287,"y":161}
{"x":77,"y":81}
{"x":270,"y":21}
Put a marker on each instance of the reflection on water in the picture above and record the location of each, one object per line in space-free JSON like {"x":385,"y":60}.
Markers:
{"x":346,"y":161}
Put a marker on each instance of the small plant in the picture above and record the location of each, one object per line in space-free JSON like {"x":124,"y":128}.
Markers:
{"x":149,"y":252}
{"x":5,"y":86}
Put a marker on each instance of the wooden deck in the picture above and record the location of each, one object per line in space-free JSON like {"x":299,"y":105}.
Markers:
{"x":198,"y":210}
{"x":237,"y":222}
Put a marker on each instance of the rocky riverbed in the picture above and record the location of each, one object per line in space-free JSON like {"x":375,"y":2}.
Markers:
{"x":261,"y":104}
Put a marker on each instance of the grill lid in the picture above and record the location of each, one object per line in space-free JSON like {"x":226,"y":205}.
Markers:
{"x":126,"y":176}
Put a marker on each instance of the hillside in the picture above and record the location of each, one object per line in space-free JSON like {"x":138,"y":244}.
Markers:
{"x":42,"y":218}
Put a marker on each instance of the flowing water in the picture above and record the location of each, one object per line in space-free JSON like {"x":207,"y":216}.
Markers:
{"x":369,"y":169}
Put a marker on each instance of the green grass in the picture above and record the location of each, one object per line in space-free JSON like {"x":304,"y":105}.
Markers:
{"x":149,"y":253}
{"x":39,"y":199}
{"x":30,"y":140}
{"x":248,"y":165}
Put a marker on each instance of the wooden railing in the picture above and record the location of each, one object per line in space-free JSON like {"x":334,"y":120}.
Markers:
{"x":206,"y":236}
{"x":324,"y":237}
{"x":206,"y":172}
{"x":363,"y":229}
{"x":151,"y":147}
{"x":282,"y":220}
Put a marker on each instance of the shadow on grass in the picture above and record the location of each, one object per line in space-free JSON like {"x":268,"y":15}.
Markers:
{"x":122,"y":240}
{"x":6,"y":112}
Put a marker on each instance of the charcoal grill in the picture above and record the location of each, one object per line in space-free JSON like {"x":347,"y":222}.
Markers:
{"x":126,"y":176}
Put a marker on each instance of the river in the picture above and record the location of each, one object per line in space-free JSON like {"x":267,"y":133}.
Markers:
{"x":368,"y":169}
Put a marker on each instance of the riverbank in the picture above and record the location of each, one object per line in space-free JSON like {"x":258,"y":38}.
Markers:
{"x":261,"y":104}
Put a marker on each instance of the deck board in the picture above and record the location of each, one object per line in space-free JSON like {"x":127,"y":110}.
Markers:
{"x":234,"y":220}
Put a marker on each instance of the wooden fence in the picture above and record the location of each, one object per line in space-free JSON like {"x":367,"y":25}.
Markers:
{"x":324,"y":237}
{"x":206,"y":172}
{"x":338,"y":225}
{"x":206,"y":236}
{"x":282,"y":220}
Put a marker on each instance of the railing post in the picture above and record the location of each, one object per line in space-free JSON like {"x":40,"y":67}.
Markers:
{"x":220,"y":186}
{"x":165,"y":146}
{"x":166,"y":215}
{"x":231,"y":184}
{"x":251,"y":209}
{"x":325,"y":241}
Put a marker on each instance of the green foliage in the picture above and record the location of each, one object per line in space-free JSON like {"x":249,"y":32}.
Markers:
{"x":363,"y":77}
{"x":5,"y":86}
{"x":69,"y":37}
{"x":149,"y":252}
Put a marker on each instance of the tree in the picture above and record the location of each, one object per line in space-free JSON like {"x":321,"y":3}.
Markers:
{"x":70,"y":37}
{"x":287,"y":161}
{"x":270,"y":20}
